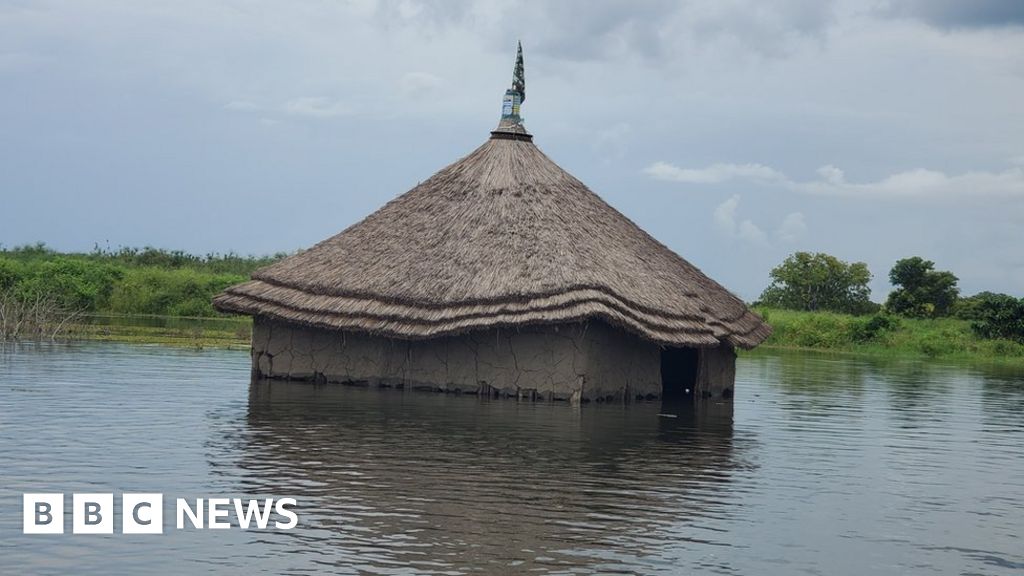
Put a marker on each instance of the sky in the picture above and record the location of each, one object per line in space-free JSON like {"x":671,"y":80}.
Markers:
{"x":734,"y":131}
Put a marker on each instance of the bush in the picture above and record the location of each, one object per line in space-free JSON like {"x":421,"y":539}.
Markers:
{"x":130,"y":281}
{"x":169,"y":292}
{"x":72,"y":284}
{"x":807,"y":330}
{"x":998,"y":316}
{"x":874,"y":328}
{"x":1007,"y":348}
{"x":932,"y":347}
{"x":10,"y":274}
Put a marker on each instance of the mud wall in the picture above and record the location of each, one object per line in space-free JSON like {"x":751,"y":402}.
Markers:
{"x":716,"y":374}
{"x":563,"y":362}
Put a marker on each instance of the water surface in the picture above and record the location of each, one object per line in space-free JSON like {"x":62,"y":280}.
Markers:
{"x":824,"y":466}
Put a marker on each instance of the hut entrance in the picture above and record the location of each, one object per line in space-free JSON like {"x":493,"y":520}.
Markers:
{"x":679,"y":373}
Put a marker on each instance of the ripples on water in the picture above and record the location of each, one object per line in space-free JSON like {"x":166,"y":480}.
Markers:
{"x":826,"y":466}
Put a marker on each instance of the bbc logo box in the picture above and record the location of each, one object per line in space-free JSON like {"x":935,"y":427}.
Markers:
{"x":43,"y":513}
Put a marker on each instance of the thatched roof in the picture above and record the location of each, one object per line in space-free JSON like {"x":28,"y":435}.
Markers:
{"x":501,"y":238}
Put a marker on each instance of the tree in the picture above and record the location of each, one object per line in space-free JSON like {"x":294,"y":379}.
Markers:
{"x":921,"y":291}
{"x":819,"y":281}
{"x":997,"y":316}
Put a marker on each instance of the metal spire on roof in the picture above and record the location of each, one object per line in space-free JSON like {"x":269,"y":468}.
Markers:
{"x":519,"y":76}
{"x":511,"y":120}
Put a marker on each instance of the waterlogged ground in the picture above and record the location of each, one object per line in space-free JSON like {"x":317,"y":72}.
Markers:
{"x":827,"y":466}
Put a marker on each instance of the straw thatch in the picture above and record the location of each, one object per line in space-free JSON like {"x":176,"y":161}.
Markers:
{"x":501,"y":238}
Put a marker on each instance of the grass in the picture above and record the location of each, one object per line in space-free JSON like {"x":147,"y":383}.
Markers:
{"x":947,"y":338}
{"x":129,"y":281}
{"x":198,"y":333}
{"x":145,"y":296}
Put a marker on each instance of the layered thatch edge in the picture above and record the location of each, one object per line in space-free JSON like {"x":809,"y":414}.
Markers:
{"x":413,"y":321}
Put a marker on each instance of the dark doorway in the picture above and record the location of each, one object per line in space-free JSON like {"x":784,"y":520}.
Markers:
{"x":678,"y":373}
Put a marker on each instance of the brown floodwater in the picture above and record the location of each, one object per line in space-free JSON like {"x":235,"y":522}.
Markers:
{"x":823,"y":465}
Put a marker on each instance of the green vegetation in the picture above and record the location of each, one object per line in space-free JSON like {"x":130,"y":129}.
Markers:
{"x":45,"y":294}
{"x":234,"y":332}
{"x":921,"y":291}
{"x":815,"y":301}
{"x":994,"y":315}
{"x":818,"y":301}
{"x":128,"y":281}
{"x":818,"y":281}
{"x":883,"y":334}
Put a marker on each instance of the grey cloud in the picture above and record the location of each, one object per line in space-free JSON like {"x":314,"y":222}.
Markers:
{"x":589,"y":30}
{"x":652,"y":30}
{"x":432,"y":13}
{"x":916,"y":183}
{"x":317,"y":106}
{"x":765,"y":28}
{"x":663,"y":29}
{"x":207,"y":114}
{"x":960,"y":13}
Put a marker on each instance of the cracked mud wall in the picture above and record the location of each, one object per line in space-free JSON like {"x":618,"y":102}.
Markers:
{"x":717,"y":372}
{"x":619,"y":366}
{"x":569,"y":361}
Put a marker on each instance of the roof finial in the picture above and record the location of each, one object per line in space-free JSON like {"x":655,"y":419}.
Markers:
{"x":518,"y":75}
{"x":511,"y":125}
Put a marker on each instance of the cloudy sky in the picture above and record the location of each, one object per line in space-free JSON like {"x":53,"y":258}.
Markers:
{"x":735,"y":131}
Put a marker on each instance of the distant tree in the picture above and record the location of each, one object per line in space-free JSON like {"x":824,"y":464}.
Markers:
{"x":967,"y":307}
{"x":921,"y":291}
{"x":819,"y":281}
{"x":997,"y":315}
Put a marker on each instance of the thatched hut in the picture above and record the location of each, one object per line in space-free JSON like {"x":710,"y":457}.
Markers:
{"x":500,"y":274}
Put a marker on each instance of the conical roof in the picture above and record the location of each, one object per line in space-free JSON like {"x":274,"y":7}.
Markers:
{"x":501,"y":238}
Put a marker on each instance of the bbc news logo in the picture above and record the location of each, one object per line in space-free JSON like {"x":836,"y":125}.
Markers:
{"x":144,"y":513}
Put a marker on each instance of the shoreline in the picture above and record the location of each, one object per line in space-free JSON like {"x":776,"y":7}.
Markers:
{"x":885,"y":354}
{"x":912,"y":340}
{"x":948,"y":339}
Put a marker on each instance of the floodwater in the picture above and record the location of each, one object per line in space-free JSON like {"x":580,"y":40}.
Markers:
{"x":825,"y":466}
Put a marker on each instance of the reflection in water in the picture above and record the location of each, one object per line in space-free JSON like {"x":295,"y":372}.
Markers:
{"x":446,"y":483}
{"x":825,"y":465}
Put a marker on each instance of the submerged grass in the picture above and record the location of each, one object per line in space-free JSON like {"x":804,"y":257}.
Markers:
{"x":882,"y":335}
{"x":886,"y":336}
{"x":945,"y":338}
{"x":232,"y":333}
